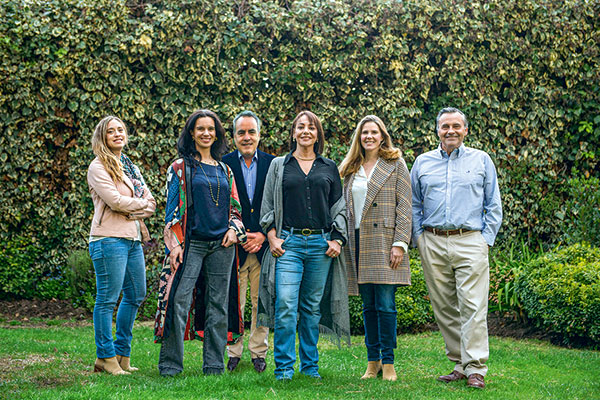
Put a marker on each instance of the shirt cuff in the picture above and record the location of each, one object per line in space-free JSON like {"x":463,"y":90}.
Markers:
{"x":404,"y":245}
{"x":336,"y":235}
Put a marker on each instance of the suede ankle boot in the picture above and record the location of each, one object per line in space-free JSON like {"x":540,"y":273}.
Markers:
{"x":110,"y":365}
{"x":389,"y":373}
{"x":124,"y":362}
{"x":373,"y":368}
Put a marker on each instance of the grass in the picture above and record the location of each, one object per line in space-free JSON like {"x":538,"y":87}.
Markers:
{"x":55,"y":362}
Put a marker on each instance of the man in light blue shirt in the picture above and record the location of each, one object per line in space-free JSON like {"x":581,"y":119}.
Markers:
{"x":456,"y":216}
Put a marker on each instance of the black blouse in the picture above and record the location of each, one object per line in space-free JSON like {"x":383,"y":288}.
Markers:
{"x":307,"y":199}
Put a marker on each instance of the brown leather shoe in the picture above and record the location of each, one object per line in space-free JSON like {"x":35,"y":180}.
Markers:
{"x":476,"y":381}
{"x":452,"y":377}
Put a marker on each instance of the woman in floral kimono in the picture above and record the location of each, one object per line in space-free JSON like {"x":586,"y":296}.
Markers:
{"x":198,"y":288}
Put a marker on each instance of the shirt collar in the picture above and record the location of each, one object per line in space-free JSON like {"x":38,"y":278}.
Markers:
{"x":457,"y":152}
{"x":254,"y":157}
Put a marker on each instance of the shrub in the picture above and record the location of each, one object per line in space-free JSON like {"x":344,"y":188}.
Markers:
{"x":560,"y":292}
{"x":82,"y":279}
{"x":19,"y":270}
{"x":505,"y":266}
{"x":582,"y":217}
{"x":412,"y":303}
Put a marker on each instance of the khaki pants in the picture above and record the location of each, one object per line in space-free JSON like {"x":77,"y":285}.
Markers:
{"x":456,"y":271}
{"x":258,"y":341}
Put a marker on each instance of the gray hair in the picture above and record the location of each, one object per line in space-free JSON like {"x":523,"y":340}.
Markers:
{"x":450,"y":110}
{"x":246,"y":113}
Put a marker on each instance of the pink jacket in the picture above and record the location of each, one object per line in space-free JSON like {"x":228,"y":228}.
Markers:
{"x":115,"y":207}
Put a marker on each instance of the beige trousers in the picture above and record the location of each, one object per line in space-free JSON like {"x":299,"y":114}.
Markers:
{"x":259,"y":336}
{"x":456,"y":270}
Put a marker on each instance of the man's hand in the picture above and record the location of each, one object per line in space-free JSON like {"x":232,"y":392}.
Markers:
{"x":254,"y":242}
{"x":175,"y":258}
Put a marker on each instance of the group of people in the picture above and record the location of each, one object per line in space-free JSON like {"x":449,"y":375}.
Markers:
{"x":300,"y":239}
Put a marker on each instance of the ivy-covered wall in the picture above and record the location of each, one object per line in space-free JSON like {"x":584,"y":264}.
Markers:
{"x":526,"y":72}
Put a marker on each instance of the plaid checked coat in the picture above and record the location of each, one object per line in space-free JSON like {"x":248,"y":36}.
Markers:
{"x":386,"y":218}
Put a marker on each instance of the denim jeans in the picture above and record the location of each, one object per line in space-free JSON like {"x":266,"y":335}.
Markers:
{"x":379,"y":315}
{"x":215,"y":262}
{"x":119,"y":265}
{"x":300,"y":277}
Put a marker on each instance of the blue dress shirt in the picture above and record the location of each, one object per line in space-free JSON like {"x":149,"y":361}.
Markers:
{"x":249,"y":173}
{"x":459,"y":191}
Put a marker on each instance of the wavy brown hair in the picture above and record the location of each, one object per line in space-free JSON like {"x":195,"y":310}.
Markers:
{"x":313,"y":119}
{"x":111,"y":162}
{"x":356,"y":155}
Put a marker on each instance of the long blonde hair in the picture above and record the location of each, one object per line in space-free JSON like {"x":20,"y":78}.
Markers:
{"x":110,"y":161}
{"x":356,"y":155}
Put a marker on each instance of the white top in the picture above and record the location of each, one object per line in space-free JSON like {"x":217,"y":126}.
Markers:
{"x":359,"y":195}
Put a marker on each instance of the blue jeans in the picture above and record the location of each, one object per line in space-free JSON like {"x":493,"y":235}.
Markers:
{"x":119,"y":265}
{"x":379,"y":315}
{"x":300,"y":277}
{"x":214,"y":262}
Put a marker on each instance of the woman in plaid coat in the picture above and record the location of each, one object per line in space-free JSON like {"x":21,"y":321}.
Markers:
{"x":378,"y":196}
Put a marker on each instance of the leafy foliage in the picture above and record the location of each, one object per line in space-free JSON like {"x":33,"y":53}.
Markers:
{"x":560,"y":291}
{"x":582,"y":218}
{"x":64,"y":64}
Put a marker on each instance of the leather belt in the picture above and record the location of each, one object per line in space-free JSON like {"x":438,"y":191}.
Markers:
{"x":447,"y":233}
{"x":306,"y":231}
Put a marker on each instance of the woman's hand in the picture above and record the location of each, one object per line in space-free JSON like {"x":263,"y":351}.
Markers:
{"x":334,"y":249}
{"x":275,"y":244}
{"x":175,"y":258}
{"x":396,"y":256}
{"x":229,"y":238}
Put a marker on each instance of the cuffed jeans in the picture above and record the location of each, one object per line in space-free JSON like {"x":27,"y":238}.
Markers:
{"x":300,"y":277}
{"x":379,"y":315}
{"x":215,"y":262}
{"x":119,"y":266}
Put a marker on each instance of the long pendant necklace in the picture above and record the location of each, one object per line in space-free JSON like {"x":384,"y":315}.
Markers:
{"x":210,"y":186}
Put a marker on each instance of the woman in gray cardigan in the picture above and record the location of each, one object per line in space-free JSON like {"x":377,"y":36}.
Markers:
{"x":302,"y":276}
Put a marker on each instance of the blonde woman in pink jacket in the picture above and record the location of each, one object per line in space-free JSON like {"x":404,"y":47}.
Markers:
{"x":121,"y":200}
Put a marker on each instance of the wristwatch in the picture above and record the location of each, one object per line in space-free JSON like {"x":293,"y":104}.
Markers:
{"x":339,"y":242}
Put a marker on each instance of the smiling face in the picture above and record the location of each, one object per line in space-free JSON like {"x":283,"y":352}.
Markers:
{"x":370,"y":137}
{"x":452,"y":131}
{"x":204,"y":133}
{"x":305,"y":133}
{"x":246,"y":136}
{"x":116,"y":136}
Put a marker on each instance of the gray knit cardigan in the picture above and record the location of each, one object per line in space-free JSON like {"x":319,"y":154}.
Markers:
{"x":335,"y":319}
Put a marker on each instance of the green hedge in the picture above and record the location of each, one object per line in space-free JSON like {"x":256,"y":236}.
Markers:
{"x":560,"y":292}
{"x":525,"y":72}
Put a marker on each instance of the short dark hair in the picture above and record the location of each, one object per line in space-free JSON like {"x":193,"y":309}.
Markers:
{"x":246,"y":113}
{"x":313,"y":119}
{"x":186,"y":147}
{"x":450,"y":110}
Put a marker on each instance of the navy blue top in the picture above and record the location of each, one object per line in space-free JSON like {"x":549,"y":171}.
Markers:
{"x":207,"y":220}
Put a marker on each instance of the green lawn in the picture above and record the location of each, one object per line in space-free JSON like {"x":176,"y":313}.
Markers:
{"x":55,"y":362}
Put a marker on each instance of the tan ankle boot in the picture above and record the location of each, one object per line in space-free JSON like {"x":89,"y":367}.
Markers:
{"x":373,"y":368}
{"x":110,"y":365}
{"x":124,"y":363}
{"x":389,"y":373}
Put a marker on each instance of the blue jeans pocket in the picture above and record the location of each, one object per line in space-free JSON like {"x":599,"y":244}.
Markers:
{"x":95,"y":250}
